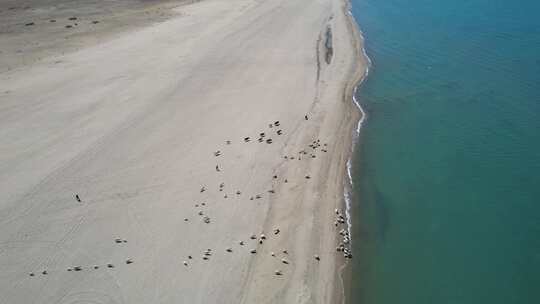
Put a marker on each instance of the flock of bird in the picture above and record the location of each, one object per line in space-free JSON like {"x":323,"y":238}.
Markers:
{"x":256,"y":240}
{"x":72,"y":24}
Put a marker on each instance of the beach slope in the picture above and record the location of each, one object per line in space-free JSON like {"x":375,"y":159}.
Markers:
{"x":127,"y":174}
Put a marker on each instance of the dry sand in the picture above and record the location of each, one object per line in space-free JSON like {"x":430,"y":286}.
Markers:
{"x":131,"y":122}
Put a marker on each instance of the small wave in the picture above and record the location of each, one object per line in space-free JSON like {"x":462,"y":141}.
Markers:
{"x":347,"y":191}
{"x":347,"y":197}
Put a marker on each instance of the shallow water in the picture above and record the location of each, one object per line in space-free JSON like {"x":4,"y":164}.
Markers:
{"x":446,"y":205}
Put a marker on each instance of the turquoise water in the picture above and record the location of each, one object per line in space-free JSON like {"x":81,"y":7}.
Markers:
{"x":446,"y":175}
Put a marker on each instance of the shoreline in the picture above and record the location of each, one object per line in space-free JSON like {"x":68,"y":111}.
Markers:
{"x":345,"y":270}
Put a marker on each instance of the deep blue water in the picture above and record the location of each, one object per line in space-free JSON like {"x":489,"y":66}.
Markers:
{"x":447,"y":170}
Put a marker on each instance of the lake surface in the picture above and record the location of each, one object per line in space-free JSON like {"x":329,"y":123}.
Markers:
{"x":446,"y":175}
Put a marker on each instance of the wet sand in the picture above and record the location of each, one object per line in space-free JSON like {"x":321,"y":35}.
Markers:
{"x":32,"y":30}
{"x":126,"y":171}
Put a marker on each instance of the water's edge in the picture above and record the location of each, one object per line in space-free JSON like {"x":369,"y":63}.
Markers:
{"x":358,"y":37}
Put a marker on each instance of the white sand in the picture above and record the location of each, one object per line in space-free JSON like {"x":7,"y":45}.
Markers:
{"x":131,"y":124}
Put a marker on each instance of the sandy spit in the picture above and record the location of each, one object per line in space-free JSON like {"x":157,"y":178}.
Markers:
{"x":126,"y":172}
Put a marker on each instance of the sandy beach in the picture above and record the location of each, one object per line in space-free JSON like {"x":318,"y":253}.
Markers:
{"x":175,"y":151}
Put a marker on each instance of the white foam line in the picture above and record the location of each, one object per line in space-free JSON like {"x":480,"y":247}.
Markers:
{"x":348,"y":189}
